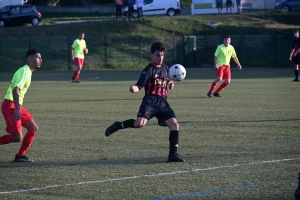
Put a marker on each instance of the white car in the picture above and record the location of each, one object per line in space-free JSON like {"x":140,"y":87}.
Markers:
{"x":157,"y":7}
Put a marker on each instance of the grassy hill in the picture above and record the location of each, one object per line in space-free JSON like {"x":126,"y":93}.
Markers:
{"x":118,"y":44}
{"x":248,"y":23}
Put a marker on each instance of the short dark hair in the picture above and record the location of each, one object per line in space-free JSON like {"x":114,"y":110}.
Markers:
{"x":32,"y":52}
{"x":296,"y":31}
{"x":157,"y":46}
{"x":226,"y":36}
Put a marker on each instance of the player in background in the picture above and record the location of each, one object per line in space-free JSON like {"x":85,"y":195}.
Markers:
{"x":295,"y":54}
{"x":77,"y":52}
{"x":130,"y":9}
{"x":154,"y":80}
{"x":223,"y":54}
{"x":14,"y":113}
{"x":239,"y":6}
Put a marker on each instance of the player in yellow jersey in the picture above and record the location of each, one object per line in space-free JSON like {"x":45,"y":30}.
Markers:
{"x":223,"y":54}
{"x":78,"y":50}
{"x":14,"y":113}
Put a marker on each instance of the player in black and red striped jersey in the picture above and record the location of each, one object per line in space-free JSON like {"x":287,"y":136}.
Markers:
{"x":156,"y":84}
{"x":295,"y":54}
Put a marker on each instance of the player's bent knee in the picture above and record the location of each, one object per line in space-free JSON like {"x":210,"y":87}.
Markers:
{"x":17,"y":137}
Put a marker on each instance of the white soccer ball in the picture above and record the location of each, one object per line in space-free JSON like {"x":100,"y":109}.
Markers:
{"x":176,"y":72}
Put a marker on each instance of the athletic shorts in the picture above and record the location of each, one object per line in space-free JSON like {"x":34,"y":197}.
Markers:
{"x":130,"y":9}
{"x":224,"y":72}
{"x":13,"y":126}
{"x":296,"y":60}
{"x":219,"y":5}
{"x":238,"y":4}
{"x":229,"y":4}
{"x":79,"y":61}
{"x":155,"y":106}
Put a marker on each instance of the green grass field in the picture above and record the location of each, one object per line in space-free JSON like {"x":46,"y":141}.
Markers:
{"x":244,"y":145}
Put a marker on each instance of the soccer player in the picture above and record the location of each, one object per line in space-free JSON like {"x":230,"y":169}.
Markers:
{"x":295,"y":53}
{"x":14,"y":113}
{"x":223,"y":54}
{"x":78,"y":50}
{"x":154,"y":80}
{"x":130,"y":9}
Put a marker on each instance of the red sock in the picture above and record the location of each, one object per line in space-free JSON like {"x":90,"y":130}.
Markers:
{"x":213,"y":86}
{"x":27,"y":141}
{"x":76,"y":75}
{"x":222,"y":86}
{"x":6,"y":139}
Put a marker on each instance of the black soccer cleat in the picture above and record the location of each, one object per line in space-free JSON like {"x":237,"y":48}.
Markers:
{"x":22,"y":159}
{"x":175,"y":158}
{"x":216,"y":94}
{"x":113,"y":128}
{"x":296,"y":79}
{"x":209,"y":94}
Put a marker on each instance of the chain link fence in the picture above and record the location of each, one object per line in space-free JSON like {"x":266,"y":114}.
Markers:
{"x":109,"y":52}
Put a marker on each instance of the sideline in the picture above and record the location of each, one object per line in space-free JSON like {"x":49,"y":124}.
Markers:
{"x":83,"y":20}
{"x":151,"y":175}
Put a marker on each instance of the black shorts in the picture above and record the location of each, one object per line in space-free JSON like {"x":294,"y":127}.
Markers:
{"x":219,"y":5}
{"x":296,"y":60}
{"x":130,"y":9}
{"x":228,"y":4}
{"x":155,"y":106}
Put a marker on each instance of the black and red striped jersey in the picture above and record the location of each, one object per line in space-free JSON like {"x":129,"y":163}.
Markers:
{"x":154,"y":80}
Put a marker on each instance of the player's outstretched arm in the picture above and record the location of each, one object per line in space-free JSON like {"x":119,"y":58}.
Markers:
{"x":236,"y":60}
{"x":134,"y":89}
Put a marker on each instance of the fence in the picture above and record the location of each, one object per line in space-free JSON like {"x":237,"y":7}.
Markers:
{"x":133,"y":52}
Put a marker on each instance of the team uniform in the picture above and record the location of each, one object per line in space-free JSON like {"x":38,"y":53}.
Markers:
{"x":223,"y":54}
{"x":79,"y":46}
{"x":154,"y":103}
{"x":296,"y":46}
{"x":22,"y":80}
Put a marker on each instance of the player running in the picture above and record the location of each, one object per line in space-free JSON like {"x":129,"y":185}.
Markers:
{"x":154,"y":79}
{"x":78,"y":50}
{"x":223,"y":54}
{"x":14,"y":113}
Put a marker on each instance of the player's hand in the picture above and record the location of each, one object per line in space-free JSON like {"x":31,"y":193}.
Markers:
{"x":72,"y":57}
{"x":290,"y":58}
{"x":134,"y":89}
{"x":171,"y":85}
{"x":216,"y":66}
{"x":239,"y":67}
{"x":86,"y":51}
{"x":17,"y":114}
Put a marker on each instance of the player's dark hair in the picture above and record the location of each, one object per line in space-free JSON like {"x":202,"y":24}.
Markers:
{"x":157,"y":46}
{"x":32,"y":51}
{"x":296,"y":31}
{"x":226,"y":36}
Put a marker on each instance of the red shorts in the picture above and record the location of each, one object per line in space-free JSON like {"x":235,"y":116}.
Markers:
{"x":13,"y":126}
{"x":79,"y":61}
{"x":224,"y":72}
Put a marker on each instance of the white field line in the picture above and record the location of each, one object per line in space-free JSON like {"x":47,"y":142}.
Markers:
{"x":150,"y":175}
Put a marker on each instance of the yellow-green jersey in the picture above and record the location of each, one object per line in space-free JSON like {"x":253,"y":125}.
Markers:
{"x":22,"y":80}
{"x":79,"y":46}
{"x":224,"y":54}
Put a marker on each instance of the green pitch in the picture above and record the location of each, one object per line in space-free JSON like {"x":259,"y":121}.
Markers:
{"x":244,"y":145}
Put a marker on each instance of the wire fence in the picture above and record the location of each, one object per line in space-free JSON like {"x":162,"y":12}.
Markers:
{"x":109,"y":52}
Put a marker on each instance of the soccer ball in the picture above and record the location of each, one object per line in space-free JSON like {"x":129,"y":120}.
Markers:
{"x":176,"y":72}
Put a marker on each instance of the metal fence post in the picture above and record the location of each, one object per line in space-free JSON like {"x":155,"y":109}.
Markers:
{"x":29,"y":41}
{"x":105,"y":53}
{"x":141,"y":58}
{"x":69,"y":56}
{"x":275,"y":37}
